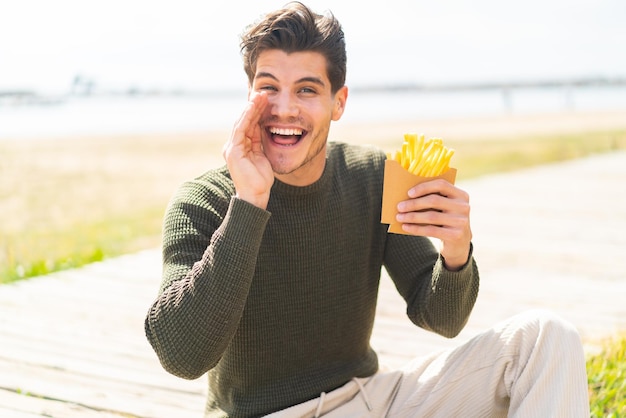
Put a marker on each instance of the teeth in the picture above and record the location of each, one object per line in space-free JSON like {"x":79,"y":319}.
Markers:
{"x":285,"y":131}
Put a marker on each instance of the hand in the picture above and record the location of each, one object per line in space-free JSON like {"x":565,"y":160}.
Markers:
{"x":440,"y":210}
{"x":249,"y":168}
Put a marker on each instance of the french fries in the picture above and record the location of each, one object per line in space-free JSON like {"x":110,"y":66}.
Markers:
{"x":423,"y":157}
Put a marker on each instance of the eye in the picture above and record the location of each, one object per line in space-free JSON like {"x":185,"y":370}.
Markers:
{"x":308,"y":90}
{"x":267,"y":88}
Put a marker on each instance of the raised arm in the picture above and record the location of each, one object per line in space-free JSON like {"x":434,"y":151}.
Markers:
{"x":212,"y":234}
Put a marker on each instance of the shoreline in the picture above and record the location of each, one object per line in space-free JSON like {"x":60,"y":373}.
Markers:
{"x":379,"y":132}
{"x":499,"y":127}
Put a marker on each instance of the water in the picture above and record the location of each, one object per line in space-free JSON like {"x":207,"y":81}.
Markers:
{"x":169,"y":114}
{"x":118,"y":115}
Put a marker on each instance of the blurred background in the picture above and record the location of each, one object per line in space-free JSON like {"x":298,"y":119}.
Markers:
{"x":71,"y":67}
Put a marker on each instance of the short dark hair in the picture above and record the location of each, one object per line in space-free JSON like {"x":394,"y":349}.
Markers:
{"x":296,"y":28}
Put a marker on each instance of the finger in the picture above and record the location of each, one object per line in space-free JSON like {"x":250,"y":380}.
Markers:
{"x":438,"y":186}
{"x":435,"y":202}
{"x":258,"y":105}
{"x":456,"y":200}
{"x":255,"y":139}
{"x":433,"y":217}
{"x":428,"y":202}
{"x":424,"y":230}
{"x":248,"y":122}
{"x":445,"y":234}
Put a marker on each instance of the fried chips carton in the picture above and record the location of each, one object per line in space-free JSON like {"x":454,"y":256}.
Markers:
{"x":419,"y":160}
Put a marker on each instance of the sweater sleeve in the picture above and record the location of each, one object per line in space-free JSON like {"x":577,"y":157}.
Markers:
{"x":208,"y":265}
{"x":437,"y":299}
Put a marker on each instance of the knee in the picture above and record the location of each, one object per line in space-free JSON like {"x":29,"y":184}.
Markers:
{"x":548,"y":321}
{"x":547,"y":329}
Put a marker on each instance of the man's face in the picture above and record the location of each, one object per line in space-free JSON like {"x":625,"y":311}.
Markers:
{"x":300,"y":108}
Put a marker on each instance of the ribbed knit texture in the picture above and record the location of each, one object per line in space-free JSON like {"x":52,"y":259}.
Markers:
{"x":278,"y":305}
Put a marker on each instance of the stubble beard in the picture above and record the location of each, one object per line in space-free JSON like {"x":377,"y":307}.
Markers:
{"x":279,"y":168}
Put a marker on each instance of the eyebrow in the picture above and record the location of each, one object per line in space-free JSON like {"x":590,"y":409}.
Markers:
{"x":314,"y":80}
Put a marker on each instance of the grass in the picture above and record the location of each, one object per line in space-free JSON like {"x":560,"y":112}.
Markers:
{"x":606,"y":372}
{"x":476,"y":158}
{"x":85,"y":242}
{"x":70,"y":202}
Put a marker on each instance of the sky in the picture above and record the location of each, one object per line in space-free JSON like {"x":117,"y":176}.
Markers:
{"x":193,"y":44}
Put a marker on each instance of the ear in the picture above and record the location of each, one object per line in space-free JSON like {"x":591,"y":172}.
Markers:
{"x":340,"y":103}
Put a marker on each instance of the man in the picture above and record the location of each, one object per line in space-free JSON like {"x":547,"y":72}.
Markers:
{"x":272,"y":265}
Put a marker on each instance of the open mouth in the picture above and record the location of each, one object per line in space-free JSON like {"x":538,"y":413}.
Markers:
{"x":286,"y":136}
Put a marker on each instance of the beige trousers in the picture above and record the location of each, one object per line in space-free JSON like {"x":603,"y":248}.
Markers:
{"x":531,"y":365}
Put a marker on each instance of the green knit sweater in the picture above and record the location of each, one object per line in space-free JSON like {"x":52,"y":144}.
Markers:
{"x":278,"y":305}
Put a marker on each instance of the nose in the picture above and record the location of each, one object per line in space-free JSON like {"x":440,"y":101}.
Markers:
{"x":283,"y":104}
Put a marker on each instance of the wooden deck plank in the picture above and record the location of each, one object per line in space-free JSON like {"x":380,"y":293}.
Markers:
{"x":16,"y":405}
{"x":115,"y":396}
